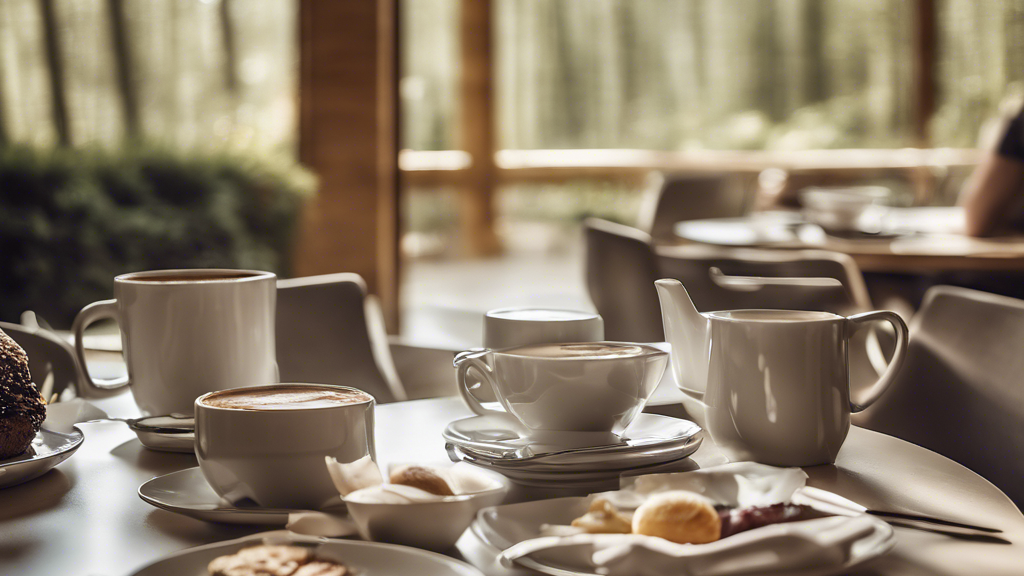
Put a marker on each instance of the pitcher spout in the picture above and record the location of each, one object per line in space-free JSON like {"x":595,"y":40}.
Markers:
{"x":688,"y":333}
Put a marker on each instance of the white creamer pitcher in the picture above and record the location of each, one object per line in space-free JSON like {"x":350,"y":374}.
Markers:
{"x":775,"y":384}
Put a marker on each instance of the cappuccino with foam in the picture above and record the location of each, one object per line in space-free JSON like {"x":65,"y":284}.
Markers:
{"x":591,"y":350}
{"x":270,"y":443}
{"x":284,"y":398}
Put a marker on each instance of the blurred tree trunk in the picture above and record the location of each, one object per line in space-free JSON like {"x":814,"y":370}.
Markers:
{"x":4,"y":138}
{"x":123,"y":62}
{"x":56,"y":71}
{"x":230,"y":52}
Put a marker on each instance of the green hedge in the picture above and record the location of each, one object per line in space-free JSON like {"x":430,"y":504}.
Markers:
{"x":72,"y":220}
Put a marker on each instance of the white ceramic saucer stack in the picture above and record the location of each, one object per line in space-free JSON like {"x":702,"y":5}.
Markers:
{"x":572,"y":460}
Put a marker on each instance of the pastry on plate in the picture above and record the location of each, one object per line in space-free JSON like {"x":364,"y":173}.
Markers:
{"x":688,"y":518}
{"x":603,"y":518}
{"x":678,"y":516}
{"x":22,"y":409}
{"x":270,"y":560}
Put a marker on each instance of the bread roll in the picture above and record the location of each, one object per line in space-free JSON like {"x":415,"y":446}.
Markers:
{"x":678,"y":516}
{"x":423,"y":478}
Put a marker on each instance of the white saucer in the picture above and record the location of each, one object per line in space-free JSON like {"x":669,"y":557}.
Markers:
{"x":503,"y":443}
{"x":367,"y":558}
{"x":47,"y":450}
{"x":187,"y":492}
{"x":596,"y":479}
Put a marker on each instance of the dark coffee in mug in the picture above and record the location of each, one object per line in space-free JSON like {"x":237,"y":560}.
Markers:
{"x":205,"y":277}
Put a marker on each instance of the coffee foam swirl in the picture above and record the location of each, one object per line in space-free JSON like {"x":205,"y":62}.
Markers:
{"x":285,"y":398}
{"x":581,"y":350}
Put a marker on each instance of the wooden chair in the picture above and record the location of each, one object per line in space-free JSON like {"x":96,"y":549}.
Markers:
{"x":731,"y":278}
{"x":961,"y":389}
{"x":330,"y":332}
{"x":621,"y":266}
{"x":671,"y":198}
{"x":621,"y":269}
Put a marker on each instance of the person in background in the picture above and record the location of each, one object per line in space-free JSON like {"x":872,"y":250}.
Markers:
{"x":994,"y":196}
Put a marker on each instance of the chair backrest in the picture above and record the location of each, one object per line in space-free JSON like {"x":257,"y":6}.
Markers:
{"x":672,"y":198}
{"x":49,"y":357}
{"x":330,"y":332}
{"x":727,"y":278}
{"x":961,"y":389}
{"x":621,"y":270}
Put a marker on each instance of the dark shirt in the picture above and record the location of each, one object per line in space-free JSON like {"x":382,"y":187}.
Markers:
{"x":1012,"y":143}
{"x":1011,"y":146}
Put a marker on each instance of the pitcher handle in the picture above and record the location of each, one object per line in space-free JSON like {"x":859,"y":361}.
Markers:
{"x":473,"y":360}
{"x":89,"y":388}
{"x":902,"y":336}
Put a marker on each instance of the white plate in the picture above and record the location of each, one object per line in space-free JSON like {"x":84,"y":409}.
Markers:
{"x":650,"y":439}
{"x":367,"y":558}
{"x":746,"y":231}
{"x":507,"y":525}
{"x":47,"y":450}
{"x":187,"y":492}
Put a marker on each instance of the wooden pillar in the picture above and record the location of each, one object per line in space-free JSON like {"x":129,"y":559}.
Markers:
{"x":476,"y":130}
{"x":926,"y":24}
{"x":348,"y":130}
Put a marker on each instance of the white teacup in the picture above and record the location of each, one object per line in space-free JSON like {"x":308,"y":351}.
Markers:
{"x":269,"y":443}
{"x":187,"y":332}
{"x":567,"y":387}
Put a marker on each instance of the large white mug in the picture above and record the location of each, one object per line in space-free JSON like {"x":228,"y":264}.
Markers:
{"x":269,"y":444}
{"x":778,"y":386}
{"x":566,"y":387}
{"x":508,"y":327}
{"x":187,"y":332}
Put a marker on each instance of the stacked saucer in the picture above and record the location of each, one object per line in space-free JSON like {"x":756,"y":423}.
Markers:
{"x":572,"y":460}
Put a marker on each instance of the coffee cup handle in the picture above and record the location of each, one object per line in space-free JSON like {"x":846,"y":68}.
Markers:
{"x":902,"y":336}
{"x":469,"y":361}
{"x":87,"y":387}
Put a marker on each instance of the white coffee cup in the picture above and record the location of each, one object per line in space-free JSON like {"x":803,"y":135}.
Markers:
{"x":187,"y":332}
{"x":274,"y":452}
{"x":778,"y":385}
{"x":567,"y":387}
{"x":508,"y":327}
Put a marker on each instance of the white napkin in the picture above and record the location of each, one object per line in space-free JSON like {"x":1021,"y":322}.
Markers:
{"x":317,"y":523}
{"x":62,"y":416}
{"x":362,"y":481}
{"x":823,"y":543}
{"x":738,"y":484}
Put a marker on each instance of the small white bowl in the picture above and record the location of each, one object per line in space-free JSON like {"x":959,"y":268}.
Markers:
{"x":843,"y":208}
{"x":432,"y":525}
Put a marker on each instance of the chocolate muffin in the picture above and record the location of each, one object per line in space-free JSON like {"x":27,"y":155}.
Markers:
{"x":22,"y":409}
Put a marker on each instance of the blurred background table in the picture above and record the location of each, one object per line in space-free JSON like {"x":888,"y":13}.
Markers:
{"x":911,"y":240}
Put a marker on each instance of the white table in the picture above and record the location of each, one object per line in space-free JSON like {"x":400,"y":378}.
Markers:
{"x":85,"y":517}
